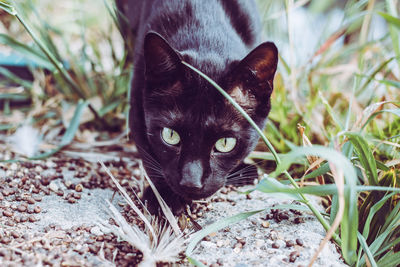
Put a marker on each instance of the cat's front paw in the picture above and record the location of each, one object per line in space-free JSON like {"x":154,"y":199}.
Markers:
{"x":174,"y":202}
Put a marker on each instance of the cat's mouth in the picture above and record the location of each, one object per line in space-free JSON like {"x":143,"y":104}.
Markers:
{"x":195,"y":194}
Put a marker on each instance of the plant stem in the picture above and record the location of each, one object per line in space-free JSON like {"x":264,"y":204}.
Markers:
{"x":317,"y":214}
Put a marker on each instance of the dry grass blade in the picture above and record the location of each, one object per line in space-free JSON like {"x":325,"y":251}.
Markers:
{"x":339,"y":181}
{"x":129,"y":200}
{"x":164,"y":207}
{"x":164,"y":247}
{"x":314,"y":161}
{"x":158,"y":244}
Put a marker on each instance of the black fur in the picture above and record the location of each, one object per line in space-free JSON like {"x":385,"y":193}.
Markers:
{"x":219,"y":37}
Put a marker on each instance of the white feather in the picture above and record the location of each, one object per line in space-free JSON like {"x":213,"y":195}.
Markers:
{"x":25,"y":140}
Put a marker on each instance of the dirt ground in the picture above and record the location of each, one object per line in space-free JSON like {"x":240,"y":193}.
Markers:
{"x":50,"y":212}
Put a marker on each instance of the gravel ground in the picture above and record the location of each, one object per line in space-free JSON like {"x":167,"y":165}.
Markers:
{"x":274,"y":238}
{"x":49,"y":212}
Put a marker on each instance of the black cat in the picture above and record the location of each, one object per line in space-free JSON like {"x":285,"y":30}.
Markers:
{"x":191,"y":140}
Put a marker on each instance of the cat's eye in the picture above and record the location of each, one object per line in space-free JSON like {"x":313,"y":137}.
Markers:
{"x":170,"y":136}
{"x":225,"y":144}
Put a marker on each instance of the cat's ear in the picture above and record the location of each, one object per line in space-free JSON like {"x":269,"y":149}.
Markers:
{"x":253,"y":76}
{"x":160,"y":58}
{"x":260,"y":63}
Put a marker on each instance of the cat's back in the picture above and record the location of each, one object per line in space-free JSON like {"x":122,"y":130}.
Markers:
{"x":198,"y":24}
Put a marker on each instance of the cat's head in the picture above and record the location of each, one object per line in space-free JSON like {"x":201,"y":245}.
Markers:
{"x":196,"y":136}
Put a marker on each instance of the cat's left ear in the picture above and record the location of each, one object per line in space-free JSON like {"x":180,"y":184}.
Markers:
{"x":160,"y":58}
{"x":260,"y":64}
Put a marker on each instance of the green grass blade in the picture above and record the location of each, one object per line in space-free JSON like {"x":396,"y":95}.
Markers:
{"x":7,"y":7}
{"x":390,"y":19}
{"x":371,"y":76}
{"x":69,"y":133}
{"x":14,"y":78}
{"x":373,"y":210}
{"x":394,"y":31}
{"x":331,"y":112}
{"x":365,"y":156}
{"x":395,"y":84}
{"x":390,"y":259}
{"x":27,"y":52}
{"x":393,"y":111}
{"x":365,"y":247}
{"x":318,"y":172}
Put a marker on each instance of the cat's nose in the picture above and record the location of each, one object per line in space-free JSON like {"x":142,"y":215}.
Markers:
{"x":192,"y":172}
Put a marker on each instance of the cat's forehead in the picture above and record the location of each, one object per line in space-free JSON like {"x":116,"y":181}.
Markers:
{"x":201,"y":116}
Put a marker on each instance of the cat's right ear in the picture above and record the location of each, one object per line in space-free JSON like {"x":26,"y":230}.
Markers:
{"x":160,"y":58}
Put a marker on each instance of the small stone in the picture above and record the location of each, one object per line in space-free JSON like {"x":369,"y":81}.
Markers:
{"x":37,"y":209}
{"x":22,"y":208}
{"x":8,"y":213}
{"x":15,"y":234}
{"x":289,"y":243}
{"x":37,"y":198}
{"x":79,"y":188}
{"x":293,"y":256}
{"x":53,"y":187}
{"x":299,"y":242}
{"x":265,"y":224}
{"x":93,"y":249}
{"x":32,"y":218}
{"x":71,"y":200}
{"x":96,"y":231}
{"x":275,"y":245}
{"x":220,"y":243}
{"x":45,"y":181}
{"x":298,"y":220}
{"x":237,"y":250}
{"x":30,"y":200}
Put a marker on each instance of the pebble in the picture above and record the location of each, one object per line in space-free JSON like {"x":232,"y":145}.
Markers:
{"x":299,"y":242}
{"x":37,"y":198}
{"x":15,"y":234}
{"x":22,"y":208}
{"x":30,"y":200}
{"x":45,"y":181}
{"x":275,"y":245}
{"x":79,"y":188}
{"x":96,"y":231}
{"x":289,"y":243}
{"x":8,"y":213}
{"x":293,"y":256}
{"x":71,"y":200}
{"x":37,"y":209}
{"x":298,"y":220}
{"x":265,"y":224}
{"x":53,"y":187}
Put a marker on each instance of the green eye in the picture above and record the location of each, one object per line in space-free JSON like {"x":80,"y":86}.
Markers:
{"x":170,"y":136}
{"x":225,"y":144}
